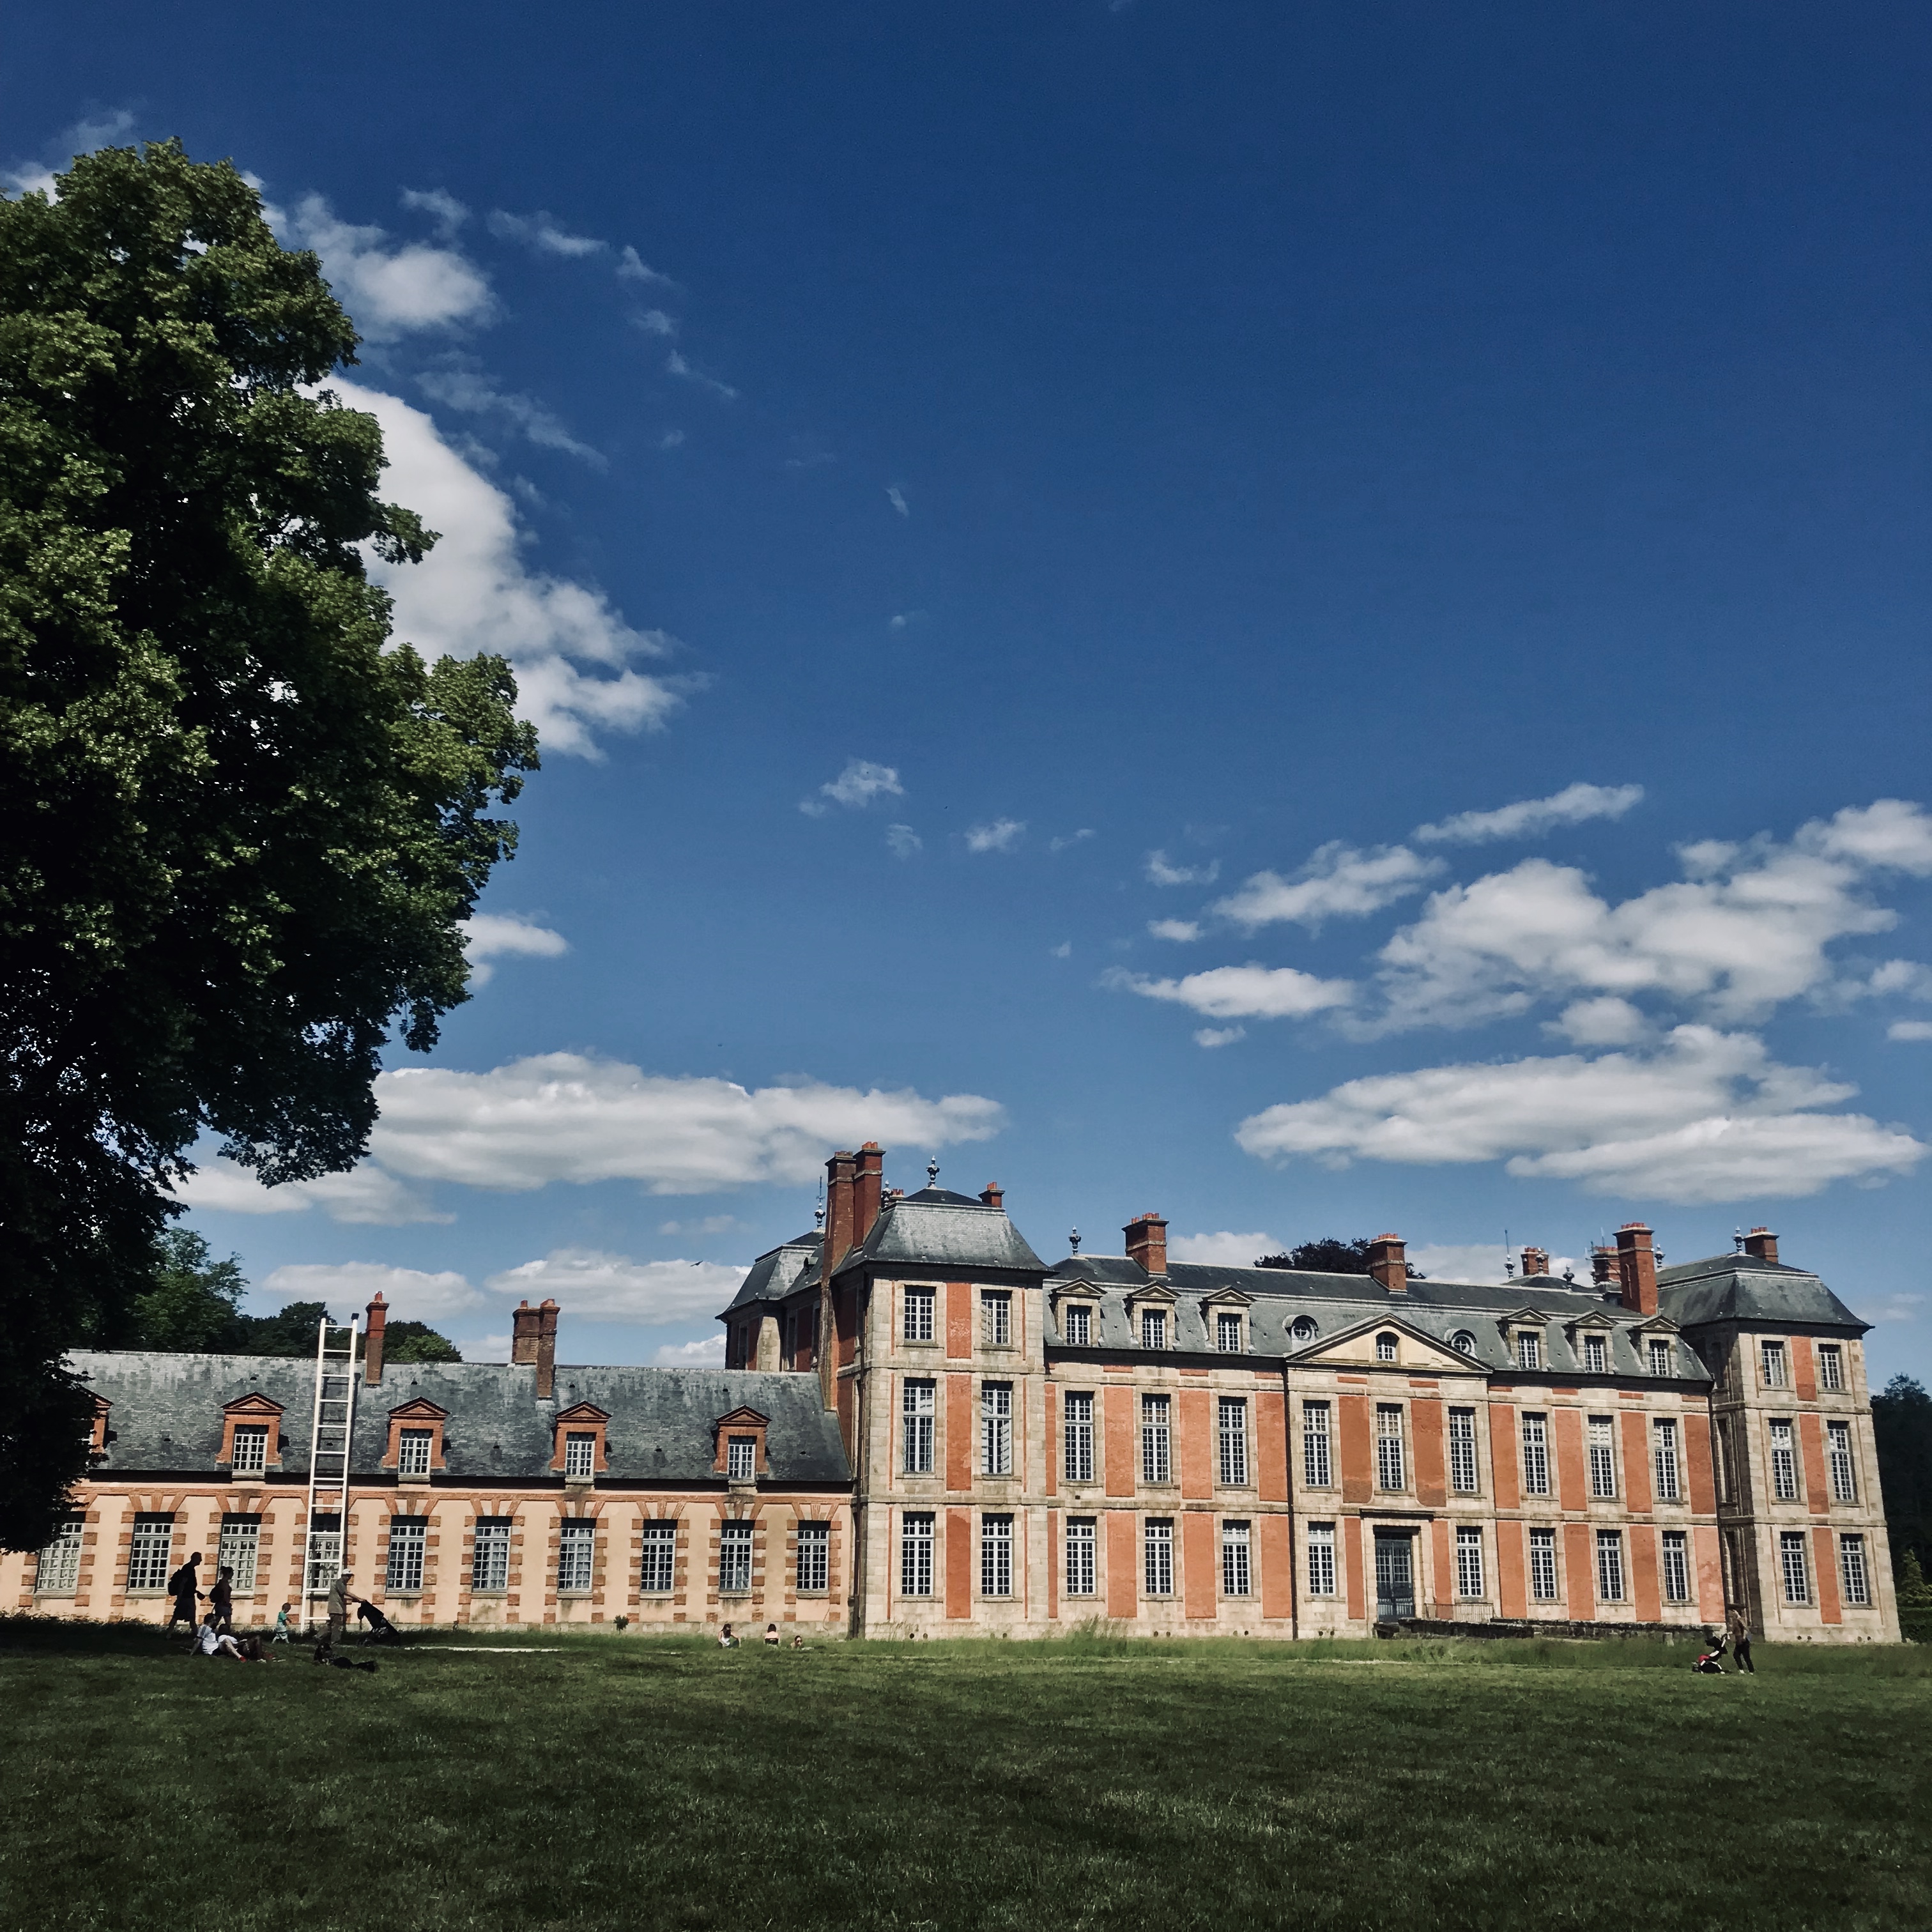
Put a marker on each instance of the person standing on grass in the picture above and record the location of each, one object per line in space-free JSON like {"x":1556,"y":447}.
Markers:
{"x":184,"y":1587}
{"x":340,"y":1597}
{"x":1740,"y":1644}
{"x":281,"y":1635}
{"x":221,"y":1598}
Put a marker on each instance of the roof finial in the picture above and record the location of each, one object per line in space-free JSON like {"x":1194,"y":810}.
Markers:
{"x":818,"y":1219}
{"x":1073,"y":1241}
{"x":932,"y":1173}
{"x":1737,"y":1240}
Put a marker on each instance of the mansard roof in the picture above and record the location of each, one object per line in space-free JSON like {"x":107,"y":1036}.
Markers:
{"x":1741,"y":1287}
{"x":167,"y":1415}
{"x":945,"y":1233}
{"x":780,"y":1272}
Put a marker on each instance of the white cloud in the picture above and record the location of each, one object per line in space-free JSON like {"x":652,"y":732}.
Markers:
{"x":1475,"y":1260}
{"x":1161,"y":873}
{"x":390,"y":289}
{"x":364,"y":1195}
{"x":655,"y":322}
{"x":1893,"y":834}
{"x":1895,"y":1308}
{"x":1223,"y":1250}
{"x":473,"y":593}
{"x":1001,"y":836}
{"x":895,"y":497}
{"x":1337,"y":882}
{"x":1066,"y":838}
{"x":676,"y":364}
{"x":602,"y":1287}
{"x":857,"y":786}
{"x":544,"y":234}
{"x":1182,"y":930}
{"x":443,"y":208}
{"x":672,"y":438}
{"x":708,"y":1353}
{"x":1064,"y":950}
{"x":568,"y":1116}
{"x":82,"y":138}
{"x":461,"y":386}
{"x":1605,"y":1021}
{"x":1530,"y":817}
{"x":903,"y":841}
{"x":1213,"y":1036}
{"x":1909,"y":1030}
{"x":488,"y":935}
{"x":411,"y":1294}
{"x":1243,"y":992}
{"x":632,"y":268}
{"x":711,"y":1224}
{"x":1708,"y":1116}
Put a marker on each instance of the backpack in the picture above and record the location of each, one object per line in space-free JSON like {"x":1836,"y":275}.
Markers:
{"x":181,"y":1582}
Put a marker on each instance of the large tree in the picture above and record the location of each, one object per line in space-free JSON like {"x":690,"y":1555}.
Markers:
{"x":242,"y":826}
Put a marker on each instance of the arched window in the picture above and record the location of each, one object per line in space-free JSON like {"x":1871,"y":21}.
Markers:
{"x":1303,"y":1332}
{"x":1385,"y":1348}
{"x":1464,"y":1340}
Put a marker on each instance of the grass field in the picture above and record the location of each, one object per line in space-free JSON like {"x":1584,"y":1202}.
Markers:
{"x":629,"y":1781}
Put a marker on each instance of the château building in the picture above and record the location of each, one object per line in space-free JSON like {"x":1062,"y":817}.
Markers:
{"x":923,"y":1429}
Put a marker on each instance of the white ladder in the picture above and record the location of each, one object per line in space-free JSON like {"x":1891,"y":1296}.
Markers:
{"x":331,"y":1432}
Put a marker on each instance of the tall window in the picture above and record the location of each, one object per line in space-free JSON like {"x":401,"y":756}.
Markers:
{"x":1838,"y":1443}
{"x":251,"y":1449}
{"x":916,"y":1554}
{"x":657,"y":1575}
{"x":1603,"y":1456}
{"x":1080,"y":1568}
{"x":1157,"y":1458}
{"x":1771,"y":1364}
{"x":1528,"y":1349}
{"x":580,"y":1456}
{"x":734,"y":1558}
{"x":996,"y":1429}
{"x":57,"y":1572}
{"x":1153,"y":1328}
{"x":1610,"y":1565}
{"x":996,"y":1317}
{"x":241,"y":1544}
{"x":1831,"y":1366}
{"x":1535,"y":1455}
{"x":1469,"y":1562}
{"x":1078,"y":1321}
{"x":1386,"y":1350}
{"x":1783,"y":1463}
{"x":741,"y":1457}
{"x":1596,"y":1357}
{"x":1228,"y":1333}
{"x":1158,"y":1546}
{"x":1235,"y":1571}
{"x":1079,"y":1432}
{"x":1791,"y":1566}
{"x":814,"y":1558}
{"x":1663,"y":1458}
{"x":996,"y":1556}
{"x":1231,"y":1412}
{"x":1676,"y":1566}
{"x":1462,"y":1450}
{"x":412,"y":1449}
{"x":1388,"y":1445}
{"x":1851,"y":1568}
{"x":915,"y":1410}
{"x":577,"y":1544}
{"x":1543,"y":1565}
{"x":1659,"y":1357}
{"x":489,"y":1559}
{"x":147,"y":1554}
{"x":1317,"y":1462}
{"x":1322,"y":1559}
{"x":324,"y":1553}
{"x":919,"y":1314}
{"x":406,"y":1537}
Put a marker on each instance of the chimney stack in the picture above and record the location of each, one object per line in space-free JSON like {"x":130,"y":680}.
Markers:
{"x":1146,"y":1243}
{"x":1388,"y":1262}
{"x":1535,"y":1260}
{"x":867,"y":1180}
{"x":992,"y":1195}
{"x":838,"y":1172}
{"x":1637,"y":1268}
{"x":1761,"y":1244}
{"x":533,"y":1342}
{"x":1603,"y":1267}
{"x":372,"y":1344}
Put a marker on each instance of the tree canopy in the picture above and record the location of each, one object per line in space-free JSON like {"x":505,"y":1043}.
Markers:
{"x":1902,"y":1435}
{"x":1327,"y":1256}
{"x":243,"y":827}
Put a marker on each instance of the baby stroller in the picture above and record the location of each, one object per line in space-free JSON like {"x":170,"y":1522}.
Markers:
{"x":380,"y":1630}
{"x":1710,"y":1664}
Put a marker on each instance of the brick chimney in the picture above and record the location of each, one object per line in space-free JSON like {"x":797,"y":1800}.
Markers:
{"x":1147,"y":1242}
{"x":866,"y":1182}
{"x":1388,"y":1262}
{"x":1536,"y":1261}
{"x":838,"y":1174}
{"x":372,"y":1345}
{"x":533,"y":1342}
{"x":1603,"y":1267}
{"x":1761,"y":1244}
{"x":1637,"y":1268}
{"x":992,"y":1195}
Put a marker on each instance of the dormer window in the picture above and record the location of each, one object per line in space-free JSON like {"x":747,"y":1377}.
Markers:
{"x":1153,"y":1328}
{"x":741,"y":1458}
{"x":1303,"y":1332}
{"x":1228,"y":1333}
{"x":1596,"y":1355}
{"x":1464,"y":1340}
{"x":1529,"y":1349}
{"x":1659,"y":1356}
{"x":580,"y":1453}
{"x":251,"y":1449}
{"x":412,"y":1452}
{"x":1386,"y":1348}
{"x":581,"y":1440}
{"x":1078,"y":1324}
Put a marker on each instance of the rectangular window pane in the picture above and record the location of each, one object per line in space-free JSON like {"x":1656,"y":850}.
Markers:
{"x":1791,"y":1566}
{"x":996,"y":1429}
{"x":1529,"y":1350}
{"x":919,"y":1314}
{"x":1543,"y":1565}
{"x":1153,"y":1328}
{"x":1603,"y":1456}
{"x":1159,"y":1548}
{"x":1831,"y":1367}
{"x":1469,"y":1562}
{"x":489,"y":1560}
{"x":1079,"y":1434}
{"x":1462,"y":1450}
{"x":1663,"y":1458}
{"x":734,"y":1558}
{"x":1388,"y":1446}
{"x":1080,"y":1565}
{"x":1316,"y":1463}
{"x":916,"y":1405}
{"x":916,"y":1555}
{"x":251,"y":1450}
{"x":657,"y":1573}
{"x":405,"y":1570}
{"x":996,"y":1320}
{"x":412,"y":1448}
{"x":1771,"y":1355}
{"x":996,"y":1556}
{"x":741,"y":1453}
{"x":1783,"y":1463}
{"x":1535,"y":1455}
{"x":147,"y":1555}
{"x":814,"y":1558}
{"x":1844,"y":1481}
{"x":1596,"y":1357}
{"x":579,"y":1455}
{"x":1610,"y":1565}
{"x":1234,"y":1564}
{"x":1156,"y":1460}
{"x":1322,"y":1559}
{"x":1228,"y":1334}
{"x":1079,"y":1325}
{"x":1232,"y":1411}
{"x":1660,"y":1358}
{"x":1852,"y":1568}
{"x":1676,"y":1567}
{"x":324,"y":1553}
{"x":57,"y":1572}
{"x":240,"y":1542}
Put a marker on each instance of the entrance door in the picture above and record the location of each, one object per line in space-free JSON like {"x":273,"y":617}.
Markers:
{"x":1395,"y":1577}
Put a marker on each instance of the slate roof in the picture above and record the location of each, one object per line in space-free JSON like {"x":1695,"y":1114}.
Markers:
{"x":1741,"y":1287}
{"x":783,"y":1271}
{"x":167,"y":1415}
{"x":936,"y":1228}
{"x":1279,"y":1297}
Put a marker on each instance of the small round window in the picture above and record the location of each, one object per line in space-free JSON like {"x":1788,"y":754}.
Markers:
{"x":1303,"y":1330}
{"x":1464,"y":1340}
{"x":1385,"y":1349}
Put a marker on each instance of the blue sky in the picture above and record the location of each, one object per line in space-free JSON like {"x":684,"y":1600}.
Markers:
{"x":1310,"y":620}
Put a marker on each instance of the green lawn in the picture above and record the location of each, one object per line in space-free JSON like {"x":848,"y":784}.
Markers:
{"x":644,"y":1781}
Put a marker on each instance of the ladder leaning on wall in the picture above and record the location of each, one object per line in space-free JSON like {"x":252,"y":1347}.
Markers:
{"x":331,"y":1430}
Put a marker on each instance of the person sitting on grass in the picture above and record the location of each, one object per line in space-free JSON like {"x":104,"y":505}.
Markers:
{"x":798,"y":1640}
{"x":772,"y":1636}
{"x":726,"y":1641}
{"x":211,"y":1640}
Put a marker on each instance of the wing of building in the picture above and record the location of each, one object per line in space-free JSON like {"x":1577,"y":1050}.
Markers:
{"x":924,"y":1429}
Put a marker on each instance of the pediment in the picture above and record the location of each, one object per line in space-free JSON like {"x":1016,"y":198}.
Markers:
{"x":1078,"y":1291}
{"x":1525,"y":1318}
{"x":419,"y":1408}
{"x":584,"y":1411}
{"x":254,"y":1404}
{"x":1655,"y":1324}
{"x":1596,"y":1320}
{"x":1227,"y":1297}
{"x":1355,"y":1348}
{"x":742,"y":1417}
{"x":1155,"y":1291}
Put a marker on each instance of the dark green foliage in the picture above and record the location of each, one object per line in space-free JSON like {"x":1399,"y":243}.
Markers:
{"x":1327,"y":1256}
{"x":240,"y":833}
{"x":646,"y":1782}
{"x":417,"y":1342}
{"x":1902,"y":1433}
{"x":290,"y":1330}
